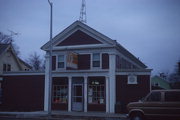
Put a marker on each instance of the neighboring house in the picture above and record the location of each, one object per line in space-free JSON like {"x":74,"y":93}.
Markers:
{"x":158,"y":82}
{"x":9,"y":61}
{"x":90,"y":72}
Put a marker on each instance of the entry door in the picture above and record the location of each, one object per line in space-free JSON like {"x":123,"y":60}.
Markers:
{"x":77,"y":97}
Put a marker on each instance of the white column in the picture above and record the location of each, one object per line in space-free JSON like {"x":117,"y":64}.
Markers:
{"x":107,"y":94}
{"x":112,"y":86}
{"x":85,"y":94}
{"x":69,"y":93}
{"x":46,"y":87}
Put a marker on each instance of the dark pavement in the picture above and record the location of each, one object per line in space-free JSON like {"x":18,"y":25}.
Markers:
{"x":56,"y":115}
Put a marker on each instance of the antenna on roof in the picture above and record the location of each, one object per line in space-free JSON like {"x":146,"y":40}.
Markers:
{"x":82,"y":16}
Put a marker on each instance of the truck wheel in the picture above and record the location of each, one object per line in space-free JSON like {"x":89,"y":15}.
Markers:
{"x":137,"y":116}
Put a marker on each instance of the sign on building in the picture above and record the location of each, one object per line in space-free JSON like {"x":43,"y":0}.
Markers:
{"x":72,"y":60}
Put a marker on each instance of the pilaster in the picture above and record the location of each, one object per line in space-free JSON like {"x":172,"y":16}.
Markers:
{"x":46,"y":87}
{"x":112,"y":87}
{"x":107,"y":94}
{"x":69,"y":93}
{"x":85,"y":94}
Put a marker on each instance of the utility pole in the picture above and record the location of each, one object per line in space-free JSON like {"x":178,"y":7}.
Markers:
{"x":82,"y":16}
{"x":50,"y":61}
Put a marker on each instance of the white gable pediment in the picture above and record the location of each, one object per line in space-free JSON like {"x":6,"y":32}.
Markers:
{"x":79,"y":34}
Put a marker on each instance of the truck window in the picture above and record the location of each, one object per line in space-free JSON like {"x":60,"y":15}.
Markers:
{"x":172,"y":96}
{"x":154,"y":97}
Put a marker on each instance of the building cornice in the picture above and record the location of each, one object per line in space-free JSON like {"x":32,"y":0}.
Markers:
{"x":22,"y":73}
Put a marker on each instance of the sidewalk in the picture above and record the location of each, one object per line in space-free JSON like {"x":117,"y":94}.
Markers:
{"x":61,"y":114}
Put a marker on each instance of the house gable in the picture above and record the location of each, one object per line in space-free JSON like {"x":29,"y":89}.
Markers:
{"x":79,"y":38}
{"x":78,"y":34}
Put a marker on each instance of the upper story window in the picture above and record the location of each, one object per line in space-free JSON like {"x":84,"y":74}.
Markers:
{"x":96,"y":60}
{"x":6,"y":67}
{"x":61,"y":61}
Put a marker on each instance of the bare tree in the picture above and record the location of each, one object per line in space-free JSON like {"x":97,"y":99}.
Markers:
{"x":36,"y":62}
{"x":174,"y":77}
{"x":8,"y":39}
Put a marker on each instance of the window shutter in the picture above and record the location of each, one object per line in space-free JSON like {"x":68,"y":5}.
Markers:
{"x":84,"y":62}
{"x":53,"y":62}
{"x":105,"y":61}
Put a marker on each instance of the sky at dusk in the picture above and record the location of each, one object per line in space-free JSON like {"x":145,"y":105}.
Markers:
{"x":149,"y":29}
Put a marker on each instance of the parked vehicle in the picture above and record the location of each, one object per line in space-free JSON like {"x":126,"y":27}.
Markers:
{"x":157,"y":104}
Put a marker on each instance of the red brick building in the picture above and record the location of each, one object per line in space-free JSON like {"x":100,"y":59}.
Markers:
{"x":90,"y":72}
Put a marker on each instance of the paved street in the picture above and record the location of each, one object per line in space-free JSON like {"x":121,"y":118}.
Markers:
{"x":73,"y":118}
{"x":60,"y":115}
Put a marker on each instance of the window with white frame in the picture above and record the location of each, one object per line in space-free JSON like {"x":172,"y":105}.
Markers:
{"x":60,"y":93}
{"x":96,"y":60}
{"x":132,"y":79}
{"x":96,"y":92}
{"x":61,"y":61}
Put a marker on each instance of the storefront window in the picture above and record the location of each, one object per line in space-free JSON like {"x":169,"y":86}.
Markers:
{"x":60,"y":93}
{"x":96,"y":92}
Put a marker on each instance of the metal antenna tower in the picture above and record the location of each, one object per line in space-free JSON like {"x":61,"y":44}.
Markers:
{"x":82,"y":17}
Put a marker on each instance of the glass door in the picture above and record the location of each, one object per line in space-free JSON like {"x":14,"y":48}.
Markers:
{"x":77,"y":97}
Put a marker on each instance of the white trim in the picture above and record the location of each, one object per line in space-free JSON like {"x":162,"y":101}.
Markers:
{"x":136,"y":73}
{"x":77,"y":47}
{"x":93,"y":35}
{"x":127,"y":59}
{"x":85,"y":93}
{"x":130,"y":77}
{"x":107,"y":94}
{"x":84,"y":51}
{"x":112,"y":82}
{"x":22,"y":73}
{"x":100,"y":66}
{"x":57,"y":56}
{"x":46,"y":84}
{"x":81,"y":73}
{"x":79,"y":26}
{"x":69,"y":92}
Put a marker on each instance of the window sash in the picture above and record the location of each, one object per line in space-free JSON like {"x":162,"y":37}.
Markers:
{"x":60,"y":93}
{"x":61,"y":61}
{"x":96,"y":57}
{"x":96,"y":60}
{"x":96,"y":94}
{"x":96,"y":63}
{"x":60,"y":64}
